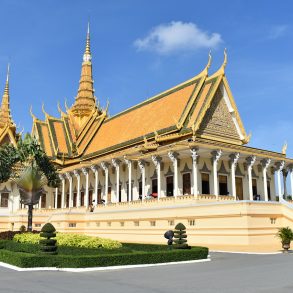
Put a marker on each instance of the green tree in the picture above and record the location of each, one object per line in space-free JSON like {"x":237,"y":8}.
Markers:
{"x":30,"y":168}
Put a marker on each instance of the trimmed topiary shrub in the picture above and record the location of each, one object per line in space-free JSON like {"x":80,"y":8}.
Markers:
{"x":22,"y":229}
{"x":180,"y":237}
{"x":48,"y":245}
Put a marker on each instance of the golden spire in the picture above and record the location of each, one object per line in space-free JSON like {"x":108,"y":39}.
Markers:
{"x":85,"y":101}
{"x":87,"y":56}
{"x":5,"y":105}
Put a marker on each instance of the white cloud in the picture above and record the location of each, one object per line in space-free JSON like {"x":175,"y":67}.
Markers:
{"x":277,"y":31}
{"x":177,"y":36}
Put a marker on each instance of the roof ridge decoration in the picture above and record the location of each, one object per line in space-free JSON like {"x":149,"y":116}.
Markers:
{"x":62,"y":113}
{"x":213,"y":83}
{"x":177,"y":87}
{"x":221,"y":70}
{"x":47,"y":116}
{"x":203,"y":74}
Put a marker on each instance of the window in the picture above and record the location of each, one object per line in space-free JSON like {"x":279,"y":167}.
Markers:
{"x":155,"y":186}
{"x":131,"y":191}
{"x":136,"y":223}
{"x":273,"y":220}
{"x":74,"y":199}
{"x":72,"y":225}
{"x":186,"y":183}
{"x":82,"y":198}
{"x":59,"y":200}
{"x":140,"y":188}
{"x":4,"y":200}
{"x":90,"y":197}
{"x":191,"y":222}
{"x":119,"y":197}
{"x":43,"y":201}
{"x":99,"y":195}
{"x":205,"y":183}
{"x":122,"y":224}
{"x":269,"y":189}
{"x":37,"y":225}
{"x":171,"y":223}
{"x":223,"y":186}
{"x":170,"y":185}
{"x":254,"y":187}
{"x":153,"y":223}
{"x":109,"y":197}
{"x":109,"y":224}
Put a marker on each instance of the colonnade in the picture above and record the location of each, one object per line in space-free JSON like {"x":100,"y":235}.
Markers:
{"x":173,"y":158}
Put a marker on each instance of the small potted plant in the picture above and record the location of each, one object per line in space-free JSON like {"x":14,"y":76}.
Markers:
{"x":286,"y":235}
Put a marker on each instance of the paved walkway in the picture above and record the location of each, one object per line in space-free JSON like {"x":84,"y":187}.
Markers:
{"x":225,"y":273}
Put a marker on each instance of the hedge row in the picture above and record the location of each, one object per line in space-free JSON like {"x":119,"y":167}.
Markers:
{"x":8,"y":235}
{"x":66,"y":250}
{"x":72,"y":240}
{"x":26,"y":260}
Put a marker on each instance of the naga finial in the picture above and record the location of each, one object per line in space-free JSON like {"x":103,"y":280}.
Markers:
{"x":31,"y":113}
{"x":225,"y":58}
{"x":209,"y":60}
{"x":66,"y":106}
{"x":43,"y":110}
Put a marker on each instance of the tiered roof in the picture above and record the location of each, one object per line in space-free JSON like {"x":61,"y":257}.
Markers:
{"x":202,"y":107}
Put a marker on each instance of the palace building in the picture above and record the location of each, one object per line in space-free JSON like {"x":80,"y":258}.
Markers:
{"x":181,"y":155}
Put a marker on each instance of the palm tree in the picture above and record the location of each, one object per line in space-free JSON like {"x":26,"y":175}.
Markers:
{"x":30,"y":168}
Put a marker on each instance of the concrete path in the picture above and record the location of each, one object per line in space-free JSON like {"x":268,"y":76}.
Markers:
{"x":225,"y":273}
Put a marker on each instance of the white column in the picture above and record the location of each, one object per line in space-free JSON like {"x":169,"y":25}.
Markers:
{"x":63,"y":191}
{"x":85,"y":171}
{"x":106,"y":169}
{"x":285,"y":173}
{"x":173,"y":157}
{"x":250,"y":162}
{"x":77,"y":175}
{"x":194,"y":155}
{"x":233,"y":160}
{"x":129,"y":166}
{"x":116,"y":164}
{"x":291,"y":179}
{"x":279,"y":166}
{"x":157,"y":162}
{"x":95,"y":170}
{"x":69,"y":177}
{"x":265,"y":164}
{"x":141,"y":165}
{"x":56,"y":198}
{"x":216,"y":155}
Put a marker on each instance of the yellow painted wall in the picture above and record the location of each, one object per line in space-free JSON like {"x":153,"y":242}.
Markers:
{"x":223,"y":225}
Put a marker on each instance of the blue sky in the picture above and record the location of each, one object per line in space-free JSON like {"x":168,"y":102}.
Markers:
{"x":141,"y":48}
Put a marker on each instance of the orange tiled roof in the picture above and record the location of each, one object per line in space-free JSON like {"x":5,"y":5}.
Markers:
{"x":156,"y":114}
{"x":44,"y":137}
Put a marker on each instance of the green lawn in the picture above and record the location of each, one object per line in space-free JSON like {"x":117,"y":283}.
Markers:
{"x":28,"y":255}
